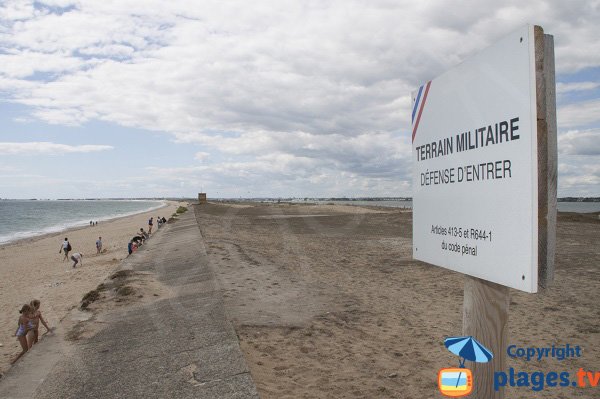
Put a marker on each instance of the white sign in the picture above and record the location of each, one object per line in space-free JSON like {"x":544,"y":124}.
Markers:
{"x":475,"y":166}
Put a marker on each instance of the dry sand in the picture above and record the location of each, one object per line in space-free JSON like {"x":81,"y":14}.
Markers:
{"x":34,"y":269}
{"x":335,"y":307}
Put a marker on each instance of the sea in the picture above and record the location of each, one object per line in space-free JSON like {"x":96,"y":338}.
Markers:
{"x":29,"y":218}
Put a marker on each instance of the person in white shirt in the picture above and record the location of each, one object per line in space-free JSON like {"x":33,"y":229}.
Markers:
{"x":66,"y":248}
{"x":76,"y":258}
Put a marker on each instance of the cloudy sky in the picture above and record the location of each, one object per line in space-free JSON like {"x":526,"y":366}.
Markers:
{"x":265,"y":98}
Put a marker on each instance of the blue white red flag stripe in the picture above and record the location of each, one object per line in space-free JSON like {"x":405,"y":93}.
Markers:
{"x":420,"y":106}
{"x":416,"y":104}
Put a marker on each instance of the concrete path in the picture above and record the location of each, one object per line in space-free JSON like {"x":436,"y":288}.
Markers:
{"x":181,"y":347}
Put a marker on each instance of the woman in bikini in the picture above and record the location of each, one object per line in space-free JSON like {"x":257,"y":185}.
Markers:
{"x":25,"y":324}
{"x":33,"y":336}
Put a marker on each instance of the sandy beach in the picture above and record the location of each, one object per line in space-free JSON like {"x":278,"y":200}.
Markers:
{"x":33,"y":268}
{"x":328,"y":303}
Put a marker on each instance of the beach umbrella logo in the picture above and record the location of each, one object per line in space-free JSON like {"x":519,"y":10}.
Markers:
{"x":468,"y":348}
{"x":458,"y":381}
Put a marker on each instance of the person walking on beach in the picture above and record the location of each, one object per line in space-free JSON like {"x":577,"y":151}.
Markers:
{"x":33,"y":336}
{"x":25,"y":325}
{"x":150,"y":224}
{"x":76,"y":258}
{"x":66,"y":248}
{"x":99,"y":245}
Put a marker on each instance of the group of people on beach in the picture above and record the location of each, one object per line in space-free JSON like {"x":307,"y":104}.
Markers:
{"x":77,"y":257}
{"x":140,"y":238}
{"x":28,"y":326}
{"x":132,"y":246}
{"x":159,"y":221}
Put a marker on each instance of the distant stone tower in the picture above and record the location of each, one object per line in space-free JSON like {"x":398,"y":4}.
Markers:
{"x":202,"y":198}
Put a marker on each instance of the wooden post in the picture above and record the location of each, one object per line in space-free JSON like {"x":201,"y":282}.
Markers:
{"x":547,"y":158}
{"x":485,"y":317}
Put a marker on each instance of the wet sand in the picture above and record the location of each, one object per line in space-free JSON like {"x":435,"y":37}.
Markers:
{"x":333,"y":305}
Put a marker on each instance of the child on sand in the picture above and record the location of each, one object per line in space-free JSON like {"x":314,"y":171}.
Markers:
{"x":33,"y":336}
{"x":25,"y":325}
{"x":76,"y":258}
{"x":98,"y":245}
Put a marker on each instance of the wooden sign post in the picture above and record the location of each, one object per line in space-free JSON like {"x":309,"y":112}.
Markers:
{"x":485,"y":168}
{"x":485,"y":306}
{"x":485,"y":316}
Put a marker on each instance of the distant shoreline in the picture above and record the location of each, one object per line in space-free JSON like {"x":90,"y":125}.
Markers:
{"x":258,"y":199}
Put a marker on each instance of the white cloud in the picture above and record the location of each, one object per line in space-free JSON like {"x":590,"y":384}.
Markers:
{"x":10,"y":85}
{"x":562,"y":88}
{"x":111,"y":51}
{"x":579,"y":115}
{"x":201,"y":155}
{"x":581,"y":180}
{"x":579,"y":167}
{"x":21,"y":64}
{"x":370,"y":154}
{"x":575,"y":142}
{"x":48,"y":148}
{"x":16,"y":10}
